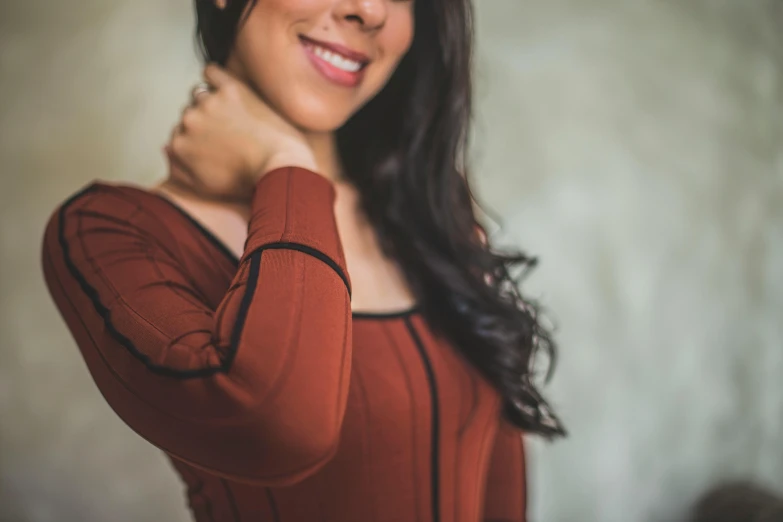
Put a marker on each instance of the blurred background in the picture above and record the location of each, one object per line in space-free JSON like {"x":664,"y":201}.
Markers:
{"x":636,"y":147}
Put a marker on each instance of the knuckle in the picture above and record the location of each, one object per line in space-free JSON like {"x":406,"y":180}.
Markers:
{"x":200,"y":98}
{"x":177,"y":144}
{"x":231,"y":91}
{"x":210,"y":103}
{"x":189,"y":119}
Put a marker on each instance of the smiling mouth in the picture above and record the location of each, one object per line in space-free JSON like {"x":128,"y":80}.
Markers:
{"x":333,"y":57}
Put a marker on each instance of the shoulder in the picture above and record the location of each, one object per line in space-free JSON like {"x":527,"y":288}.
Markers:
{"x":109,"y":207}
{"x":112,"y":200}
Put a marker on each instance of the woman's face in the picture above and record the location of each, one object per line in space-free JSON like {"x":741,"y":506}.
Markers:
{"x":319,"y":61}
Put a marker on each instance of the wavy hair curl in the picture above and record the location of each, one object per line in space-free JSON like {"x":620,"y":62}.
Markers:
{"x":406,"y":152}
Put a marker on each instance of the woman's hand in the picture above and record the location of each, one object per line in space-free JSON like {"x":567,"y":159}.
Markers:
{"x":229,"y":138}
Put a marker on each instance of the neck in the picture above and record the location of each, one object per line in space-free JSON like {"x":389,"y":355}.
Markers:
{"x":323,"y":144}
{"x":327,"y":157}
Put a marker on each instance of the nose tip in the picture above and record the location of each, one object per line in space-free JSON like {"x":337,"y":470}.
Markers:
{"x":371,"y":12}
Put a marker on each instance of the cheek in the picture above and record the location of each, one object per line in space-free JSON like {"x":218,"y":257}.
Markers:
{"x":395,"y":42}
{"x":399,"y":38}
{"x":283,"y":14}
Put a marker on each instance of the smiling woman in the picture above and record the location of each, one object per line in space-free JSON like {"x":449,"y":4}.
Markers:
{"x":273,"y":50}
{"x":306,"y":315}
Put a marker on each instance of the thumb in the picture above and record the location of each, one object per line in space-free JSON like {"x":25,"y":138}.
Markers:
{"x":217,"y":76}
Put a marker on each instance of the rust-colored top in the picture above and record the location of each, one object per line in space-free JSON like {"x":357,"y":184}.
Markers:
{"x":273,"y":400}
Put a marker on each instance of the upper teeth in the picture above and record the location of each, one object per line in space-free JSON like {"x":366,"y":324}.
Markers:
{"x":338,"y":60}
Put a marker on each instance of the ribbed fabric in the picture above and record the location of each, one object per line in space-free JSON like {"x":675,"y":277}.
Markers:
{"x":273,"y":400}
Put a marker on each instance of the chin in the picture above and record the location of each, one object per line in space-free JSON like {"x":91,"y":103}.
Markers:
{"x":317,"y":116}
{"x":313,"y":110}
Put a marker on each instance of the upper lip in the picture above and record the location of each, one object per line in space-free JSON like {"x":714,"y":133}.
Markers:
{"x":340,"y":49}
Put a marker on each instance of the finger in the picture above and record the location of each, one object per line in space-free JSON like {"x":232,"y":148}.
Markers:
{"x":188,"y":119}
{"x":175,"y":145}
{"x":217,"y":77}
{"x":178,"y":130}
{"x":198,"y":92}
{"x":177,"y":153}
{"x":198,"y":96}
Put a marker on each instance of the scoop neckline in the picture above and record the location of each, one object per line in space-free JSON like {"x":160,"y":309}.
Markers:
{"x":228,"y":253}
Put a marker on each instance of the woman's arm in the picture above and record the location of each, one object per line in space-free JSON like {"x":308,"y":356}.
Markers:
{"x":254,"y":391}
{"x":506,"y":488}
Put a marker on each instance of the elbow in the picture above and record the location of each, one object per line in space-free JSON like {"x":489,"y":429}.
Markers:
{"x":251,"y":456}
{"x":280,"y":451}
{"x":295,"y":429}
{"x":302,"y":448}
{"x":297,"y":462}
{"x":267,"y":466}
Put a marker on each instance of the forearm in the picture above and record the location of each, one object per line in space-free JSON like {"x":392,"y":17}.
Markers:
{"x":255,"y":390}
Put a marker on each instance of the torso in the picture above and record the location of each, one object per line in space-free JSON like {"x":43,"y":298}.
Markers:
{"x":377,"y":282}
{"x":420,"y":423}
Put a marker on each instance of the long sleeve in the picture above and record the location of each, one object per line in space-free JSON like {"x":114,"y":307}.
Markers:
{"x":254,"y":391}
{"x":506,"y":495}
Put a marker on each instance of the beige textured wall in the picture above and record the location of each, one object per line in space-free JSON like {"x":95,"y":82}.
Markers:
{"x":637,"y":147}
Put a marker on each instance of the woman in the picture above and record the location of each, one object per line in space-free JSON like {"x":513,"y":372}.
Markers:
{"x":305,"y":316}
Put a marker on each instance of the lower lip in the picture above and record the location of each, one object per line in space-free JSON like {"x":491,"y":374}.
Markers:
{"x":330,"y":72}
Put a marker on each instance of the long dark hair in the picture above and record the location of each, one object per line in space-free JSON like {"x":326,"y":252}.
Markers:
{"x":406,"y":153}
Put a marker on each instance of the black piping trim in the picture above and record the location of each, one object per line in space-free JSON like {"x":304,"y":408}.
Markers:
{"x":386,"y":315}
{"x":273,"y":506}
{"x":208,"y":508}
{"x":244,"y":306}
{"x":220,"y":245}
{"x":247,"y":298}
{"x":435,"y":448}
{"x":231,"y":500}
{"x":105,"y":313}
{"x":285,"y":245}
